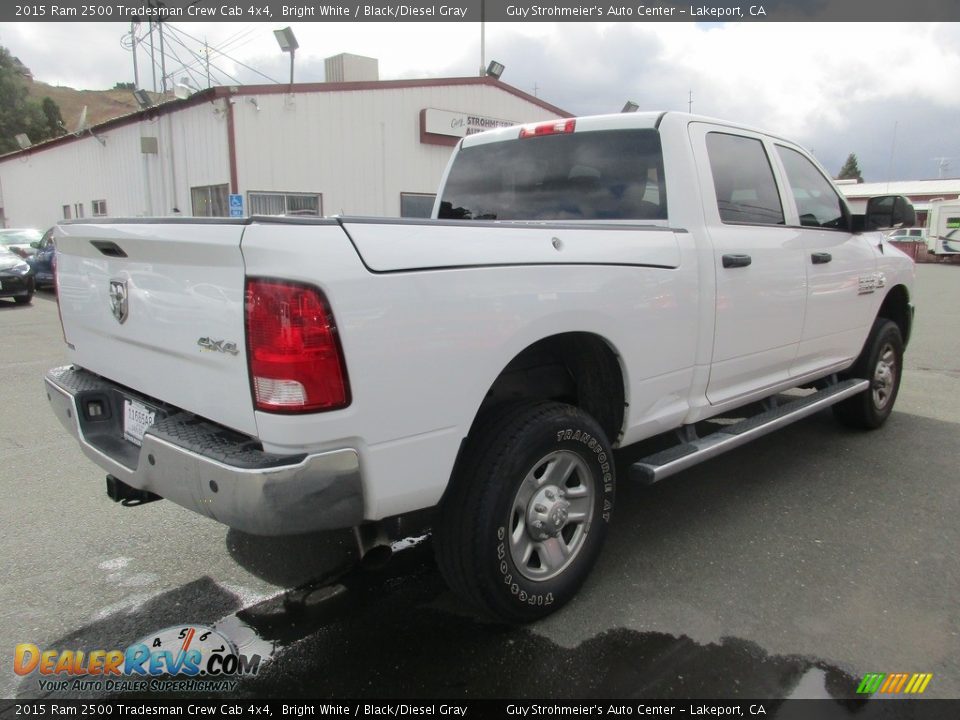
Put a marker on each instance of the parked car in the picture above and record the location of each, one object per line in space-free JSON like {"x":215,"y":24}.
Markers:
{"x":19,"y":240}
{"x":43,"y":261}
{"x":908,"y":235}
{"x":16,"y":277}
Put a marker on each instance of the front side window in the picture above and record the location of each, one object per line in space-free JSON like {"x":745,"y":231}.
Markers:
{"x":595,"y":175}
{"x":818,"y":204}
{"x":743,"y":180}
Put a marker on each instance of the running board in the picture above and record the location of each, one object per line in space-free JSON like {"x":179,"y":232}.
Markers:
{"x":673,"y":460}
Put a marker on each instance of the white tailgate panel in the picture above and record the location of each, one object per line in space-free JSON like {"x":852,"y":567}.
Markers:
{"x":184,"y":282}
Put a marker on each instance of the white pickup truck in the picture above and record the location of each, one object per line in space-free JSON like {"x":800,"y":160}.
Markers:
{"x":584,"y":285}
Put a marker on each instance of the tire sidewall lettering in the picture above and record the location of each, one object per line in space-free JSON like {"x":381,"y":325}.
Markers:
{"x":598,"y":458}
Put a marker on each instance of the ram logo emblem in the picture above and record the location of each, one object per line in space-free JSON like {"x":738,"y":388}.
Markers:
{"x":119,"y":300}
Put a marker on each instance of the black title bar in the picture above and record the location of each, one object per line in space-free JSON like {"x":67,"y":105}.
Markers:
{"x":859,"y":709}
{"x":476,"y":10}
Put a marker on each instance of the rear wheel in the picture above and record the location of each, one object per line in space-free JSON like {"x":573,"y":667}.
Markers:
{"x":527,"y":511}
{"x":881,"y":362}
{"x":24,"y":299}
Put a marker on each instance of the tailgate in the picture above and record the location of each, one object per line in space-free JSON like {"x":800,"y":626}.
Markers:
{"x":158,"y":307}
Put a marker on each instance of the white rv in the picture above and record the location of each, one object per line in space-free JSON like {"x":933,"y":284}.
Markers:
{"x":943,"y":227}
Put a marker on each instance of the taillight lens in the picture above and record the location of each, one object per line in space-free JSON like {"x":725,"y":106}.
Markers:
{"x":551,"y":127}
{"x":296,"y":363}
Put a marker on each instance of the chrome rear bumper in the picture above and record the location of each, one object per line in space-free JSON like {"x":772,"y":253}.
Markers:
{"x":207,"y":468}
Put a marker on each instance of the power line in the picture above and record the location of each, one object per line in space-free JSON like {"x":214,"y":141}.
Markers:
{"x":175,"y":35}
{"x":232,"y":59}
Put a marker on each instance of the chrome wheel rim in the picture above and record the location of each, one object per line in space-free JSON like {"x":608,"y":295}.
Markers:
{"x":551,"y":514}
{"x":884,"y":377}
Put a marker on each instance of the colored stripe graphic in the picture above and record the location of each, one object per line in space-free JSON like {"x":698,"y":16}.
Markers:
{"x":870,"y":683}
{"x":893,"y":683}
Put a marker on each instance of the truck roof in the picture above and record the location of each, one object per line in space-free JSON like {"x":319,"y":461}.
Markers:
{"x":611,"y":121}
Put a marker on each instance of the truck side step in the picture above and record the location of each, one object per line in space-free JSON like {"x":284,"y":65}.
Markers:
{"x":680,"y":457}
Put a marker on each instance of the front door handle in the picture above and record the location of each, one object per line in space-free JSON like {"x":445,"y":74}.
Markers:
{"x":820,"y":258}
{"x":734,"y":261}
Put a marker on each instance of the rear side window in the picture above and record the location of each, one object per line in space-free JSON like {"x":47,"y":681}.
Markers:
{"x":743,"y":180}
{"x":818,"y":204}
{"x":597,"y":175}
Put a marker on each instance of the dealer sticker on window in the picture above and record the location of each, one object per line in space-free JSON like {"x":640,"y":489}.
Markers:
{"x":137,"y":418}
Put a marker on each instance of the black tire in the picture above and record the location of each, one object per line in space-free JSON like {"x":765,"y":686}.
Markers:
{"x":881,"y":362}
{"x":527,"y":510}
{"x":23,"y":299}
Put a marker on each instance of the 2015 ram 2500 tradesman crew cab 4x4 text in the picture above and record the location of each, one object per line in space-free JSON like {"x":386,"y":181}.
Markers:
{"x":585,"y":284}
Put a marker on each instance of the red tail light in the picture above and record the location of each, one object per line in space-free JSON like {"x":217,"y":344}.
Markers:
{"x":296,"y":363}
{"x":551,"y":127}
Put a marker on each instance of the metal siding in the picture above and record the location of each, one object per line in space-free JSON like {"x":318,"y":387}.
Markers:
{"x":359,"y":149}
{"x":37,"y":184}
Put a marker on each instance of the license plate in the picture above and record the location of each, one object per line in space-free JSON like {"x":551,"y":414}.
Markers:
{"x":137,"y":418}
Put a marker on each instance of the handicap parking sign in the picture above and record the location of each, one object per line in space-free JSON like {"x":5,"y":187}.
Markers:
{"x":236,"y":205}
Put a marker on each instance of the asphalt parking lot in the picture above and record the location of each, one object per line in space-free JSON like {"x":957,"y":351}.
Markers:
{"x":789,"y":567}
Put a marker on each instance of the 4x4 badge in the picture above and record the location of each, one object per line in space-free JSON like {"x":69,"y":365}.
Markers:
{"x":119,"y":303}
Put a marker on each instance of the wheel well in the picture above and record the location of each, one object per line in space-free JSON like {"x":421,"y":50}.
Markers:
{"x":896,"y":307}
{"x":578,"y":368}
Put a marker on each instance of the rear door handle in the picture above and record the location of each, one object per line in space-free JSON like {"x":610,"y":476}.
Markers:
{"x":734,"y":261}
{"x":819,"y":258}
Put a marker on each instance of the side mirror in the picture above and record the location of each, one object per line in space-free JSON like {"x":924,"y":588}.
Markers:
{"x":889,"y":211}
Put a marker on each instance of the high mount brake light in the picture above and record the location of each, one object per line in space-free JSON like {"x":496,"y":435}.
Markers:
{"x":296,"y":363}
{"x":551,"y":127}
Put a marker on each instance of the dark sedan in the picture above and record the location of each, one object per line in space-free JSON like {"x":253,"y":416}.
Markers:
{"x":16,"y":277}
{"x":43,"y":261}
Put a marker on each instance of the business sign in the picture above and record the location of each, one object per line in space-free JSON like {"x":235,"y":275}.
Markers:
{"x":236,"y":205}
{"x":451,"y":125}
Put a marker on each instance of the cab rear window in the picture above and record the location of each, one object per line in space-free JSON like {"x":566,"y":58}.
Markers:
{"x":597,"y":175}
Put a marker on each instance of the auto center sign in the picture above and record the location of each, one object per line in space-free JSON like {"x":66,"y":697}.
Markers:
{"x":445,"y":127}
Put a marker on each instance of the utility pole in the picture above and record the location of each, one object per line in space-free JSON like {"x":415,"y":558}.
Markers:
{"x":133,"y":40}
{"x":483,"y":38}
{"x":163,"y":61}
{"x":690,"y":102}
{"x":206,"y":54}
{"x":153,"y":57}
{"x":893,"y":147}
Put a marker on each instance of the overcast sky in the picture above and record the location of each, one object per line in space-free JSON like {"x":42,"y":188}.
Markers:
{"x":889,"y":92}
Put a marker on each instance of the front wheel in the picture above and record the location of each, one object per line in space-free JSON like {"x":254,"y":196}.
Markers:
{"x":881,"y":362}
{"x":527,"y":511}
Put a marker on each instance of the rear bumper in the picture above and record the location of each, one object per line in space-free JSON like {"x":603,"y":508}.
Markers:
{"x":207,"y":468}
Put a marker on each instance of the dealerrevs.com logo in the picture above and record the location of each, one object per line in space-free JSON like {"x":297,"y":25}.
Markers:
{"x":183,"y":658}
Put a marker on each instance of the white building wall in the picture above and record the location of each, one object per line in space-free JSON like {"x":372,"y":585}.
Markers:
{"x":192,"y":150}
{"x":359,"y":149}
